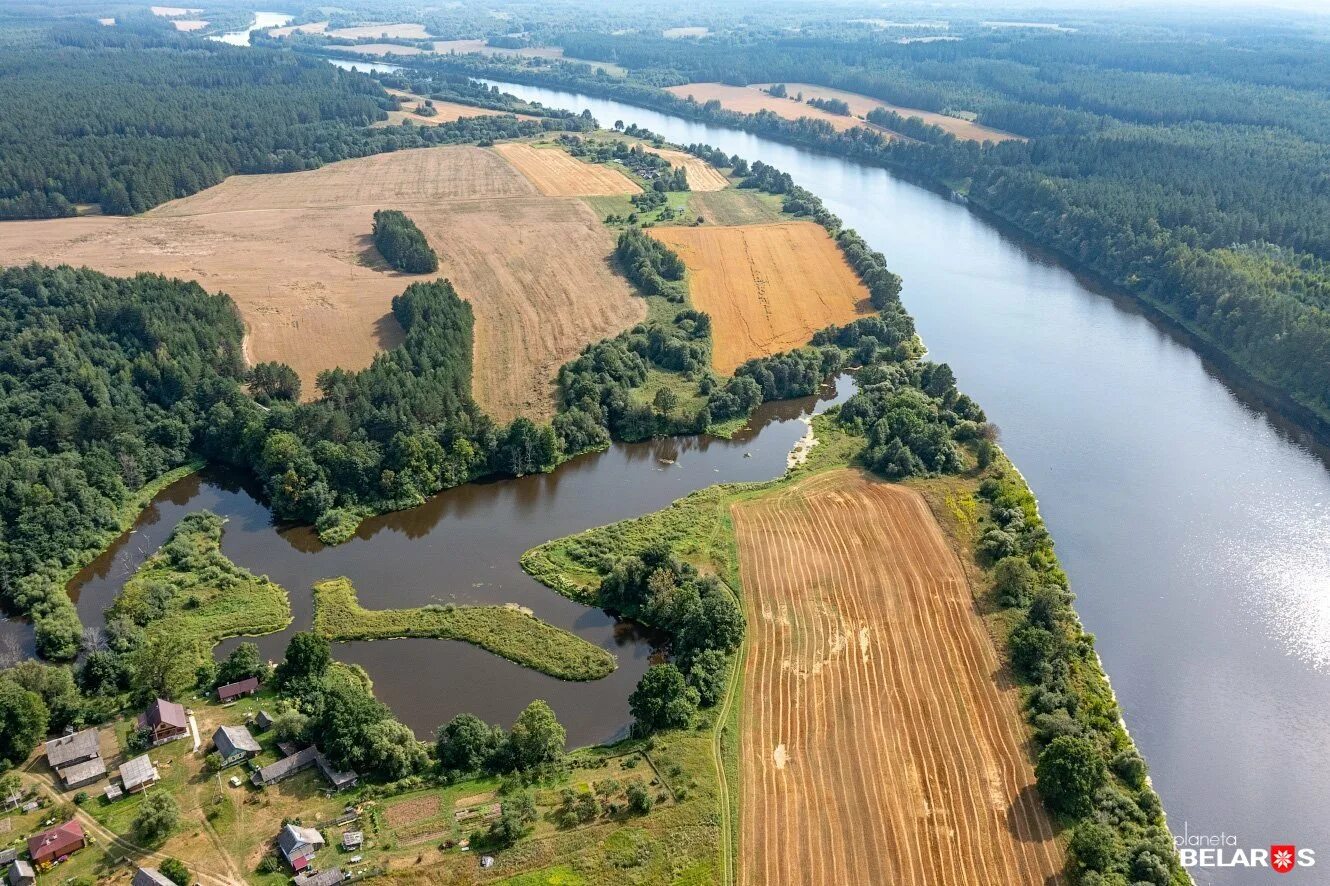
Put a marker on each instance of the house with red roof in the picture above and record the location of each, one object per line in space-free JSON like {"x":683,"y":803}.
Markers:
{"x":50,"y":846}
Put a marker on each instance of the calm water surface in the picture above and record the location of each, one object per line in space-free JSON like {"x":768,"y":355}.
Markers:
{"x":463,"y":546}
{"x":1195,"y":526}
{"x":262,"y":21}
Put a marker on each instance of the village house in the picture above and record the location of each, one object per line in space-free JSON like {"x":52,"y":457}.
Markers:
{"x":84,"y":773}
{"x":52,"y":845}
{"x":21,"y":873}
{"x":324,"y":878}
{"x":76,"y":747}
{"x":137,"y":774}
{"x":165,"y":721}
{"x":150,"y":877}
{"x":239,"y":689}
{"x":299,"y":845}
{"x":298,"y":761}
{"x":235,"y":744}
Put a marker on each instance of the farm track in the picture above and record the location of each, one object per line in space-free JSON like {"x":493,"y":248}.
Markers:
{"x":880,"y":742}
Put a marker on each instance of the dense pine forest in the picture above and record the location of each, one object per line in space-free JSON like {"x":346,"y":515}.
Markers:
{"x":1189,"y":171}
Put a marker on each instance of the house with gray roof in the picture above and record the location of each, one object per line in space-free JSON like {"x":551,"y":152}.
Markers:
{"x":235,"y":744}
{"x":73,"y":748}
{"x":137,"y":774}
{"x":299,"y":845}
{"x":323,"y":878}
{"x":151,"y":877}
{"x":7,"y":856}
{"x":285,"y":767}
{"x":21,"y":873}
{"x":84,"y":773}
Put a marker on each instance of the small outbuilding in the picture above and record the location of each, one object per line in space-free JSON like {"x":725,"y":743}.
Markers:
{"x":7,"y":857}
{"x":21,"y":873}
{"x":137,"y":774}
{"x":235,"y":744}
{"x":263,"y":722}
{"x":353,"y":840}
{"x":238,"y":689}
{"x":329,"y":877}
{"x":165,"y":720}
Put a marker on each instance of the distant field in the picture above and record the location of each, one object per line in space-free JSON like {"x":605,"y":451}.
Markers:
{"x":446,"y":112}
{"x":695,"y":31}
{"x":749,"y":100}
{"x":380,"y":49}
{"x":702,"y":176}
{"x":860,"y":105}
{"x":173,"y":11}
{"x":308,"y":28}
{"x":189,"y":24}
{"x":558,"y":174}
{"x":551,"y":53}
{"x":410,"y":31}
{"x":878,"y":743}
{"x":767,"y":287}
{"x":294,"y":252}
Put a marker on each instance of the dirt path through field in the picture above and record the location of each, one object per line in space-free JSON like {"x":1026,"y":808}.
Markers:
{"x":881,"y":742}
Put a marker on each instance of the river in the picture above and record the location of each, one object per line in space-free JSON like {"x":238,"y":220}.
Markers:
{"x":1195,"y":526}
{"x":262,"y":21}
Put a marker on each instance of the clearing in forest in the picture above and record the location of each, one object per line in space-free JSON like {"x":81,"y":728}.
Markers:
{"x":768,"y":288}
{"x":295,"y":253}
{"x":860,"y":105}
{"x":444,"y":112}
{"x":399,"y":31}
{"x":547,"y":53}
{"x":750,"y":100}
{"x":558,"y":174}
{"x":880,"y":743}
{"x":702,"y":176}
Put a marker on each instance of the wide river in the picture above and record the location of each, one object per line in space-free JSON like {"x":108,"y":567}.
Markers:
{"x":1195,"y":526}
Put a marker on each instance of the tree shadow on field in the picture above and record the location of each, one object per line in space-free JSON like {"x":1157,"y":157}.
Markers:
{"x":388,"y":332}
{"x":1024,"y":814}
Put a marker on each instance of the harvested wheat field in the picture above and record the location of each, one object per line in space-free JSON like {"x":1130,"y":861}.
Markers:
{"x":556,"y":173}
{"x":880,"y":741}
{"x":702,"y":176}
{"x":548,"y":53}
{"x":750,"y":100}
{"x":860,"y":105}
{"x":379,"y":49}
{"x":294,"y":251}
{"x":768,"y":288}
{"x":445,"y":112}
{"x":189,"y":24}
{"x":307,"y":28}
{"x":398,"y":31}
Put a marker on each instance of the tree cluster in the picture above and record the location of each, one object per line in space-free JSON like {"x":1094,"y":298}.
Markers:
{"x":402,"y":244}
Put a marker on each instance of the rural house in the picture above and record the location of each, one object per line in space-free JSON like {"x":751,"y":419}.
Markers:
{"x":339,"y":780}
{"x":299,"y":761}
{"x":235,"y":744}
{"x":51,"y":846}
{"x":84,"y":773}
{"x":325,"y":878}
{"x":165,"y":720}
{"x":137,"y":774}
{"x":151,"y":877}
{"x":21,"y":873}
{"x":299,"y":845}
{"x":73,"y":748}
{"x":238,"y":689}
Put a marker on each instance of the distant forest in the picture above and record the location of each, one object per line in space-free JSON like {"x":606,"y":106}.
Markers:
{"x":133,"y":116}
{"x":1194,"y":172}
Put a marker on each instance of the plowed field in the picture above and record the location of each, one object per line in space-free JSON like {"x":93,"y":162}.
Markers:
{"x":768,"y":288}
{"x":880,"y":742}
{"x":558,"y":174}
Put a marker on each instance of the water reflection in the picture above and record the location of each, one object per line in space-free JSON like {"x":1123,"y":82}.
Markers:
{"x":463,"y":546}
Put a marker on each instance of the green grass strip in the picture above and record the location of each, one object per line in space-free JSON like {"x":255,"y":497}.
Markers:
{"x":506,"y":631}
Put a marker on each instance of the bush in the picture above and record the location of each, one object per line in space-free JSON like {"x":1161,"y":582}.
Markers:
{"x":174,"y":870}
{"x":1069,"y":772}
{"x":639,"y":798}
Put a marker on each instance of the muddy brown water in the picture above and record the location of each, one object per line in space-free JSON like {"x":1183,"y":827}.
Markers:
{"x":464,"y":546}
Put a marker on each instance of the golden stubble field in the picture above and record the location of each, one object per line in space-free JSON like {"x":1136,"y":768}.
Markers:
{"x":702,"y":176}
{"x":767,"y":287}
{"x":556,"y":173}
{"x":751,"y":99}
{"x":880,"y":741}
{"x":445,"y":112}
{"x":295,"y":253}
